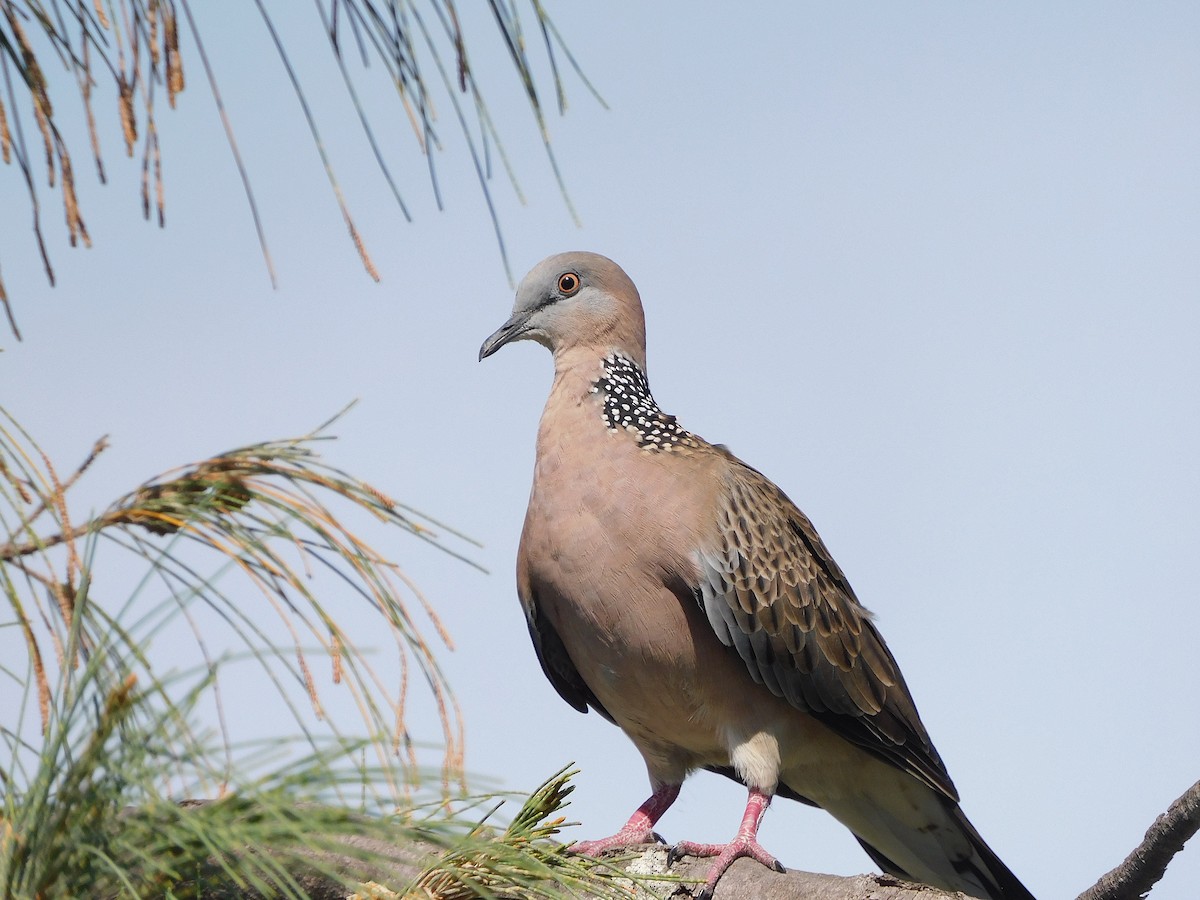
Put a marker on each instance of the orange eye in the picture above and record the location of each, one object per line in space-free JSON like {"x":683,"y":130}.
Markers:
{"x":568,"y":283}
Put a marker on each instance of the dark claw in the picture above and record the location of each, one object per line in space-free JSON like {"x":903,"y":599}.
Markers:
{"x":706,"y":893}
{"x":658,"y":839}
{"x":779,"y":867}
{"x":672,"y":856}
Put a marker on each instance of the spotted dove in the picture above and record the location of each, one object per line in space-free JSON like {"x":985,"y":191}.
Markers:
{"x":683,"y":596}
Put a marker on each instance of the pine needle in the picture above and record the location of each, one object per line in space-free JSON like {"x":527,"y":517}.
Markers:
{"x":129,"y":49}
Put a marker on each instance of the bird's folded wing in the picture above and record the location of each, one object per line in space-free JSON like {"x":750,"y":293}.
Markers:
{"x":552,"y":654}
{"x":773,"y":593}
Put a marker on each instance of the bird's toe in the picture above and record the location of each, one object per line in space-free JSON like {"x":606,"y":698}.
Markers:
{"x":626,"y":837}
{"x":726,"y":855}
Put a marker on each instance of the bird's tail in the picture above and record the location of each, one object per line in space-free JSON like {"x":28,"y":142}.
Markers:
{"x":929,"y":841}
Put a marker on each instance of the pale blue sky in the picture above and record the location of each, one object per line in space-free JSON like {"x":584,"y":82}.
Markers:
{"x":931,"y":267}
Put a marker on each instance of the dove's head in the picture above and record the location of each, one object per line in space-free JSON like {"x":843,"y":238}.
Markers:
{"x":572,"y":301}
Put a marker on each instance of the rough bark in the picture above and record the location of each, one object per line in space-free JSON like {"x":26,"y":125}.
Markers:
{"x":1142,"y":869}
{"x":746,"y":880}
{"x":398,"y":863}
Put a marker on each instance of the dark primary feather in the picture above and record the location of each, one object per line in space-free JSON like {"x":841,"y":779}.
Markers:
{"x":773,"y":593}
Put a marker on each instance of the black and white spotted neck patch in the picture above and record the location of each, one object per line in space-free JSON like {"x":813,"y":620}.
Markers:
{"x":629,"y":406}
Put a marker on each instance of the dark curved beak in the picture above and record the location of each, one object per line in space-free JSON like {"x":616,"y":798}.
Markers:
{"x":511,"y":330}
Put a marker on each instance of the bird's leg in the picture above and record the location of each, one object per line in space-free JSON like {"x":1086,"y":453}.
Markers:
{"x":640,"y":827}
{"x":744,"y":843}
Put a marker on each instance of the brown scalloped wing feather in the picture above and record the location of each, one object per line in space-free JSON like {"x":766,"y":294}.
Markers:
{"x":773,"y":593}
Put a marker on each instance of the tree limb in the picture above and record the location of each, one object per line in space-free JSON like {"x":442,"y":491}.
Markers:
{"x":748,"y":880}
{"x":396,"y":866}
{"x":1142,"y":869}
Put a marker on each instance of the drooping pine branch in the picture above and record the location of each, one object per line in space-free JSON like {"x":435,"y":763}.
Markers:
{"x":136,"y":49}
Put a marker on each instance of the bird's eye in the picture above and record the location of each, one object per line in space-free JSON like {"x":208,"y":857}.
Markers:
{"x":568,"y":283}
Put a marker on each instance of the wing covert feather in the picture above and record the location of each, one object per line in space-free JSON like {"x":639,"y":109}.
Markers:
{"x":772,"y":592}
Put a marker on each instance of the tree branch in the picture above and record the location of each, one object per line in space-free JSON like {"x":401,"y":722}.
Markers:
{"x":396,"y":865}
{"x":1142,"y":869}
{"x":748,"y":880}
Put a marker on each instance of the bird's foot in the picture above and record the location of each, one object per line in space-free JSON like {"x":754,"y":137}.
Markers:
{"x":726,"y":854}
{"x":744,"y":843}
{"x":629,"y":836}
{"x":640,"y":827}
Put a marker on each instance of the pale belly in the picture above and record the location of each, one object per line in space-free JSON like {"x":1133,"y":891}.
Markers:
{"x":645,"y":661}
{"x":654,"y":663}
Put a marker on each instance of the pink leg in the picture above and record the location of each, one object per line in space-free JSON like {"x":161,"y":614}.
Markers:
{"x":640,"y":827}
{"x":744,"y":843}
